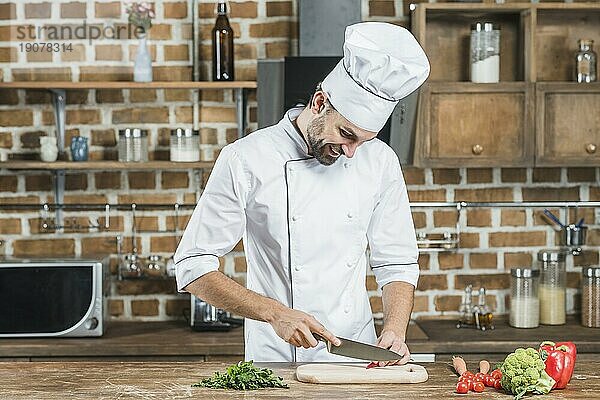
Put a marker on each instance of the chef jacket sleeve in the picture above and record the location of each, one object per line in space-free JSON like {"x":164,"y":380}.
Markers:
{"x":391,"y":232}
{"x":218,"y":221}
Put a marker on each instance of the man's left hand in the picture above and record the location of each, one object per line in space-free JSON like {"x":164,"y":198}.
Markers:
{"x":391,"y":341}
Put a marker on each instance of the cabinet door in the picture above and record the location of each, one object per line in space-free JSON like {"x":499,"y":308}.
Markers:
{"x":568,"y":124}
{"x":471,"y":125}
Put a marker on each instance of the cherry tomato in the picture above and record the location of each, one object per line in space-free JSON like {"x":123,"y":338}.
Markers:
{"x":488,"y":381}
{"x":497,"y":374}
{"x":498,"y":384}
{"x":462,"y":388}
{"x":470,"y":383}
{"x":479,"y":375}
{"x":478,"y":387}
{"x":467,"y":374}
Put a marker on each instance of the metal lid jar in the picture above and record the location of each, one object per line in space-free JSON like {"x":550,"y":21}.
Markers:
{"x":184,"y":145}
{"x":524,"y":301}
{"x":133,"y":145}
{"x":485,"y":52}
{"x":590,"y":297}
{"x":553,"y":286}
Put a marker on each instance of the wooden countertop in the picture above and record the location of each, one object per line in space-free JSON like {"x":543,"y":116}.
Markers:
{"x":172,"y":380}
{"x":175,"y":341}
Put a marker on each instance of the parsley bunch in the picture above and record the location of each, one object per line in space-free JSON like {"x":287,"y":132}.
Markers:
{"x":243,"y":376}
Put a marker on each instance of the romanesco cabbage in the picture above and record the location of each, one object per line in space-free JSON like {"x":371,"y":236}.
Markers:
{"x":524,"y":371}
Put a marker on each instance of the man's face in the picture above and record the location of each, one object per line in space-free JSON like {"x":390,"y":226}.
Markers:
{"x":330,"y":135}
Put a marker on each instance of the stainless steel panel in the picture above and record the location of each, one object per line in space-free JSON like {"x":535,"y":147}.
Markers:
{"x":322,"y":25}
{"x":270,"y":92}
{"x":403,"y":126}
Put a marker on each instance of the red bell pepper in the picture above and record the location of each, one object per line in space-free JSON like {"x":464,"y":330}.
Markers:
{"x":560,"y":361}
{"x":570,"y":358}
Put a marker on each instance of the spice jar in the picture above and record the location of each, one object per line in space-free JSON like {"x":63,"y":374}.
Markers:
{"x":133,"y":145}
{"x":485,"y":52}
{"x":155,"y":267}
{"x":590,"y":297}
{"x":185,"y":145}
{"x":585,"y":62}
{"x":553,"y":287}
{"x":524,"y":302}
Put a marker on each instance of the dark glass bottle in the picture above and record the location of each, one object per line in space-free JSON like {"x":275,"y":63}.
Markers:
{"x":222,"y":45}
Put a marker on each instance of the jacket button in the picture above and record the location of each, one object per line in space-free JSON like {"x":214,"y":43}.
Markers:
{"x":349,"y":215}
{"x":349,"y":264}
{"x":346,"y":165}
{"x":297,"y":268}
{"x":347,"y":309}
{"x":294,"y":218}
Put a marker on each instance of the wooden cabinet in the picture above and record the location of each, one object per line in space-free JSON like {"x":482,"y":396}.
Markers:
{"x":478,"y":125}
{"x":463,"y":124}
{"x":568,"y":124}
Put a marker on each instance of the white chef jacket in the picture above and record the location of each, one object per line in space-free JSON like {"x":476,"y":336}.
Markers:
{"x":305,"y":228}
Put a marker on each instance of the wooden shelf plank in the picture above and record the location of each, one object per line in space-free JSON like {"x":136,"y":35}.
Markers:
{"x":129,"y":85}
{"x":103,"y":165}
{"x":506,"y":7}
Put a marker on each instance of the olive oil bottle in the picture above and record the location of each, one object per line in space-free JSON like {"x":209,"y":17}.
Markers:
{"x":222,"y":45}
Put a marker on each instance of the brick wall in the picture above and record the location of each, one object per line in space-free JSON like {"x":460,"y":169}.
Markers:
{"x":492,"y":240}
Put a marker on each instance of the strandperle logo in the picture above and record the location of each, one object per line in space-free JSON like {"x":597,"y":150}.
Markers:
{"x":83,"y":31}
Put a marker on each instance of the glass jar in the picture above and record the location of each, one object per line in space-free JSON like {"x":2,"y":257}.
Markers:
{"x":185,"y":145}
{"x":133,"y":145}
{"x":585,"y":62}
{"x":155,"y":267}
{"x":485,"y":52}
{"x":524,"y":301}
{"x":130,"y":266}
{"x":590,"y":297}
{"x":553,"y":287}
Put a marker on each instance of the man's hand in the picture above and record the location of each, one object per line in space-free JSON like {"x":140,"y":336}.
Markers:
{"x":391,"y":341}
{"x":296,"y":327}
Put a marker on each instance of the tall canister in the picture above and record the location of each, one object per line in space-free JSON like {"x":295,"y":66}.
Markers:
{"x":590,"y":297}
{"x":553,"y":286}
{"x":524,"y":301}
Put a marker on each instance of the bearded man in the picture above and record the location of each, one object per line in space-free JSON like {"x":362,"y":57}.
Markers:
{"x":316,"y":198}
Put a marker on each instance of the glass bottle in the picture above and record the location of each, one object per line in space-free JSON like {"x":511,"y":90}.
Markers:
{"x":222,"y":45}
{"x":553,"y":287}
{"x":483,"y":316}
{"x":585,"y":62}
{"x":524,"y":302}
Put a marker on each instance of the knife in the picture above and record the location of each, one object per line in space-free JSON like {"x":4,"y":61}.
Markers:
{"x":362,"y":351}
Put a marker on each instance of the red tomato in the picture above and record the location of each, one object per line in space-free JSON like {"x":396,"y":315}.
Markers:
{"x":467,"y":374}
{"x":462,"y":388}
{"x":470,"y":383}
{"x":498,"y":384}
{"x":478,"y":387}
{"x":479,"y":375}
{"x":497,"y":374}
{"x":489,"y":380}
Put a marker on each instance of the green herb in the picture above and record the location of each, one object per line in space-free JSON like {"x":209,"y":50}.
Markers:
{"x":243,"y":376}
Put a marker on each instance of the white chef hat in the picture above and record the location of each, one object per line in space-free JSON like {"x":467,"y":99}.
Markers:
{"x":382,"y":64}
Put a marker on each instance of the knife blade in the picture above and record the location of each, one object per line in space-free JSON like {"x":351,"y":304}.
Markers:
{"x":362,"y":351}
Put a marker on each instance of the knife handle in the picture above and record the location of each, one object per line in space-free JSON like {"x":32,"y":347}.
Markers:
{"x":319,"y":337}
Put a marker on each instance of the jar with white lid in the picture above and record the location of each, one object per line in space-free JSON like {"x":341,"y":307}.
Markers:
{"x":133,"y":145}
{"x":184,"y":145}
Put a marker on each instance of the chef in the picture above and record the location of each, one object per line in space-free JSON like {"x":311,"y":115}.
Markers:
{"x":317,"y":199}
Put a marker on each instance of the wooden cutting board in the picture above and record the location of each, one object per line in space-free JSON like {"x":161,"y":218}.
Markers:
{"x":357,"y":373}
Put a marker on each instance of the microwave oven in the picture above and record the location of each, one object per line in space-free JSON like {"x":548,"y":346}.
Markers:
{"x":52,"y":297}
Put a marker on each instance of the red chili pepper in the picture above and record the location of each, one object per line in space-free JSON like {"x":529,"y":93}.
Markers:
{"x":559,"y":360}
{"x":372,"y":364}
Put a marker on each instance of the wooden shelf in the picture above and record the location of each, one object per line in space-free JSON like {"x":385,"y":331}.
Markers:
{"x":129,"y":85}
{"x":103,"y":165}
